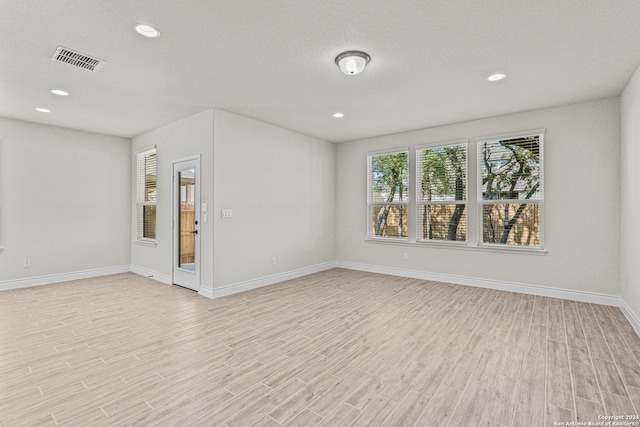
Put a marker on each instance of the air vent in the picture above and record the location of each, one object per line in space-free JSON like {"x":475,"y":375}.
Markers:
{"x":77,"y":59}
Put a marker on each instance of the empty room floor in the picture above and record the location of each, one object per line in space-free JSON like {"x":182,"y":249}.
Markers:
{"x":336,"y":348}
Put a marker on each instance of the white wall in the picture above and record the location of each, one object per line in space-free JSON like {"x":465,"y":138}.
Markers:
{"x":64,"y":200}
{"x":582,"y":202}
{"x":281,"y":188}
{"x":630,"y":175}
{"x":186,"y":137}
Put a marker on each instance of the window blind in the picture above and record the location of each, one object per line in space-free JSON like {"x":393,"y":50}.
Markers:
{"x":441,"y":175}
{"x":388,"y":194}
{"x":510,"y":192}
{"x":146,"y":194}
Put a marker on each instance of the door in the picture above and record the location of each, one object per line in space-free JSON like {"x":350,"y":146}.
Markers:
{"x":186,"y":223}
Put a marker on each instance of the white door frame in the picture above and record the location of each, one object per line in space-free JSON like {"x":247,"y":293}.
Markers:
{"x":179,"y":276}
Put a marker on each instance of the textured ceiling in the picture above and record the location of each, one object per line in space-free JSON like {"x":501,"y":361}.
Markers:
{"x":273,"y":60}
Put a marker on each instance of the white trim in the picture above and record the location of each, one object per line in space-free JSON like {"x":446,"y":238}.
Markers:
{"x":145,"y":242}
{"x":508,"y":135}
{"x":460,"y":245}
{"x":267,"y":280}
{"x":62,"y":277}
{"x":630,"y":315}
{"x":438,"y":144}
{"x":164,"y":278}
{"x":388,"y":151}
{"x":568,"y":294}
{"x":187,"y":277}
{"x":206,"y":291}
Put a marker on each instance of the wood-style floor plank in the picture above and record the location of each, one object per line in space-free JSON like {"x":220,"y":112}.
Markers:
{"x":336,"y":348}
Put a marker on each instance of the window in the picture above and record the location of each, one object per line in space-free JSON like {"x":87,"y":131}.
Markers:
{"x":441,"y":177}
{"x":388,"y":194}
{"x":147,"y":188}
{"x":510,"y":195}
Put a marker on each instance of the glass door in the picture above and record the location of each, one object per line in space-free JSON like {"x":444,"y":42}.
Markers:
{"x":186,"y":253}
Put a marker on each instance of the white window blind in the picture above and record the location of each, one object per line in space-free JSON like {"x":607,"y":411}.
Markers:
{"x":388,"y":194}
{"x":146,"y":194}
{"x":441,"y":199}
{"x":510,"y":190}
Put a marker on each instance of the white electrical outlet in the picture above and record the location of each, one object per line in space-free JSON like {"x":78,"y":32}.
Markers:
{"x":274,"y":261}
{"x":406,"y":257}
{"x":27,"y":263}
{"x":227,"y":213}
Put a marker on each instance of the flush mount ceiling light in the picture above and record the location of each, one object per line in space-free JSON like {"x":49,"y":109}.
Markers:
{"x":352,"y":62}
{"x":147,"y":31}
{"x":338,"y":115}
{"x":59,"y":92}
{"x":43,"y":110}
{"x":496,"y":77}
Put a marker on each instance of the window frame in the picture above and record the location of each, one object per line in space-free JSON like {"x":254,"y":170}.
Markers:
{"x":419,"y":203}
{"x":370,"y":203}
{"x":140,"y":196}
{"x":540,"y":133}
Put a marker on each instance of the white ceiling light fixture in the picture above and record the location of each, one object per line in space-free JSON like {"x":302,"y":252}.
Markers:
{"x":338,"y":115}
{"x":496,"y":77}
{"x":147,"y":31}
{"x":43,"y":110}
{"x":59,"y":92}
{"x":352,"y":62}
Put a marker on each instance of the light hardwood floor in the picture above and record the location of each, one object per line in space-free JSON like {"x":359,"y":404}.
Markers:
{"x":337,"y":348}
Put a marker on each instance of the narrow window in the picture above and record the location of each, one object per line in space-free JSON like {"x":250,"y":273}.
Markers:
{"x":441,"y":174}
{"x":388,"y":194}
{"x":146,"y":197}
{"x":510,"y":190}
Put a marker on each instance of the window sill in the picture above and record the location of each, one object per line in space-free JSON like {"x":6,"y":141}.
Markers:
{"x":460,"y":246}
{"x":149,"y":243}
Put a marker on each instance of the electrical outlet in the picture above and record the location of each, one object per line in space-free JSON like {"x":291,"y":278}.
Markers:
{"x":27,"y":263}
{"x":406,"y":257}
{"x":274,"y":261}
{"x":227,"y":213}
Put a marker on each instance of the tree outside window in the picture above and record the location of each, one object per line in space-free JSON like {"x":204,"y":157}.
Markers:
{"x":388,"y":194}
{"x":511,"y":190}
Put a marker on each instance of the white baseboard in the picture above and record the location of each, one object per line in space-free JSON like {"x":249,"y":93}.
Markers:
{"x":205,"y":291}
{"x":164,"y":278}
{"x":582,"y":296}
{"x":62,"y":277}
{"x":630,"y":315}
{"x":268,"y":280}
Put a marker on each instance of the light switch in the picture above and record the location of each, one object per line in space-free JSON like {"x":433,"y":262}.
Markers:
{"x":227,"y":213}
{"x":205,"y":207}
{"x":205,"y":218}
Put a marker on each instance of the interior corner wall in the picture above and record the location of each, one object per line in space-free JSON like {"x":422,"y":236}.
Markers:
{"x":187,"y":137}
{"x":64,"y":201}
{"x":630,"y":189}
{"x":280,"y":186}
{"x":581,"y":204}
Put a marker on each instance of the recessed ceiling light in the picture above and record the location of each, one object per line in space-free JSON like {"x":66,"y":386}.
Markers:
{"x":338,"y":115}
{"x":59,"y":92}
{"x":496,"y":77}
{"x":147,"y":31}
{"x":43,"y":110}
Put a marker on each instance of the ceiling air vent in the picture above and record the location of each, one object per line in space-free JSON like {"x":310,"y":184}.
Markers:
{"x":77,"y":59}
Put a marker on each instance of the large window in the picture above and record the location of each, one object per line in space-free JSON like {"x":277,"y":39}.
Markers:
{"x":441,"y":175}
{"x":146,"y":194}
{"x":510,"y":195}
{"x":388,"y":194}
